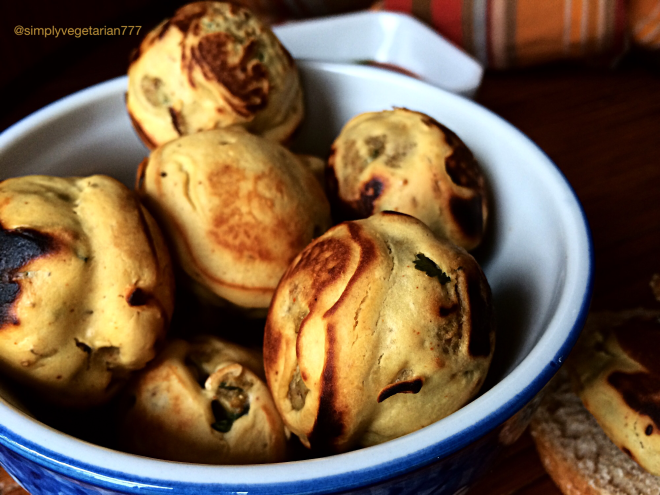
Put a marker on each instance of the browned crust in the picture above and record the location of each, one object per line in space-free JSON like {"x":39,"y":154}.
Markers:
{"x":641,"y":393}
{"x":331,"y":422}
{"x":460,"y":165}
{"x":403,"y":387}
{"x":238,"y":231}
{"x":332,"y":187}
{"x":134,"y":55}
{"x":163,"y":29}
{"x":144,"y":225}
{"x":209,"y":276}
{"x":146,"y":43}
{"x":18,"y":247}
{"x":186,"y":15}
{"x":180,"y":235}
{"x":463,"y":170}
{"x":137,"y":297}
{"x":367,"y":258}
{"x":369,"y":194}
{"x":146,"y":139}
{"x":326,"y":260}
{"x":468,"y":215}
{"x":479,"y":306}
{"x":639,"y":338}
{"x":246,"y":79}
{"x":326,"y":269}
{"x":271,"y":350}
{"x":177,"y":120}
{"x":566,"y":476}
{"x":139,"y":177}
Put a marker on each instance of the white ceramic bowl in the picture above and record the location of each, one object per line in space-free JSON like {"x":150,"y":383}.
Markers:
{"x":537,"y":257}
{"x":387,"y":38}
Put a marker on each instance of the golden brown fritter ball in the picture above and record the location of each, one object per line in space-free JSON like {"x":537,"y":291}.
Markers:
{"x":617,"y":373}
{"x":205,"y":401}
{"x":86,"y":289}
{"x":405,"y":161}
{"x":237,"y":209}
{"x":212,"y":65}
{"x":377,"y":329}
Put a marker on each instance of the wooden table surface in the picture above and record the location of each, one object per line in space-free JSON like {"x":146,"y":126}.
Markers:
{"x":600,"y":126}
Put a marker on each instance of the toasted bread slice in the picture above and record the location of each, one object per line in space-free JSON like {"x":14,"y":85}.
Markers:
{"x":577,"y":454}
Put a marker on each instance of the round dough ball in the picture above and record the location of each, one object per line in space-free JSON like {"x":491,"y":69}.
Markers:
{"x":377,"y":329}
{"x":204,"y":402}
{"x":405,"y":161}
{"x":87,"y":286}
{"x":237,"y":209}
{"x":212,"y":65}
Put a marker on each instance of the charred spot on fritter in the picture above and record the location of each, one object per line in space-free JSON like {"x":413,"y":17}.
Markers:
{"x":17,"y":248}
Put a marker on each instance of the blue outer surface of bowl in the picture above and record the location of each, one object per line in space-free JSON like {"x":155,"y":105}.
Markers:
{"x":443,"y":458}
{"x":447,"y":476}
{"x":451,"y":475}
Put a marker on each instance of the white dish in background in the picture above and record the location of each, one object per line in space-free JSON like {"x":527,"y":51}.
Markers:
{"x":537,"y":257}
{"x":386,"y":38}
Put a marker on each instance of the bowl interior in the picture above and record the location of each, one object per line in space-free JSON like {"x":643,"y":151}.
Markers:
{"x":537,"y":254}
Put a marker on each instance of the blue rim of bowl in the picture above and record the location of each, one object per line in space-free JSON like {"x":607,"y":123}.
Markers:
{"x":112,"y":479}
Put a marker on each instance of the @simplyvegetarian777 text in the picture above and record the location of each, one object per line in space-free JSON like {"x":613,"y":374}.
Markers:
{"x":76,"y":32}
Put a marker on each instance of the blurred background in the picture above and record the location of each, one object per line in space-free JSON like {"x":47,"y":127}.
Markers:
{"x":501,"y":34}
{"x":31,"y":63}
